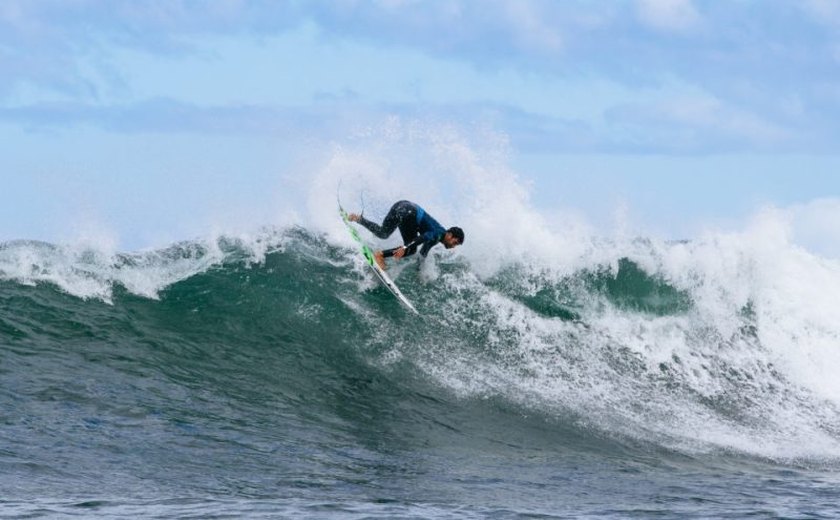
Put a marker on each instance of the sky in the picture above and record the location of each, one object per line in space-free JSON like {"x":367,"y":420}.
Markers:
{"x":151,"y":120}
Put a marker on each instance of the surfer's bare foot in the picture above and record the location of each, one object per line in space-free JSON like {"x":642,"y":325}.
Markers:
{"x":380,"y":259}
{"x":353,"y":217}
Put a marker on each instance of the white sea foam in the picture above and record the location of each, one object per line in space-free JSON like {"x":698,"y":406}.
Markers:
{"x":750,"y":365}
{"x":91,"y":270}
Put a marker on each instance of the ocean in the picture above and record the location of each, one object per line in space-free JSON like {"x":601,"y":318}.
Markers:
{"x":269,"y":376}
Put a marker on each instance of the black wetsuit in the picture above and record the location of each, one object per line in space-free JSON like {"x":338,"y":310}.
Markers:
{"x":416,"y":227}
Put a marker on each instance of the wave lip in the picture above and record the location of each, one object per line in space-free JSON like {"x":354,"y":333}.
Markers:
{"x":89,"y":271}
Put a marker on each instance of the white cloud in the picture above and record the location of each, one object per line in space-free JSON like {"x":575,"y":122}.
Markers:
{"x":815,"y":226}
{"x":699,"y":122}
{"x":711,"y":113}
{"x":668,"y":15}
{"x":69,"y":50}
{"x":823,"y":11}
{"x":532,"y":28}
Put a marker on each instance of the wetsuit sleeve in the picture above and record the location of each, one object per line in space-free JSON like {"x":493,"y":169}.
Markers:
{"x":427,"y":240}
{"x":410,"y":248}
{"x":414,"y":243}
{"x":426,"y":247}
{"x":387,"y":253}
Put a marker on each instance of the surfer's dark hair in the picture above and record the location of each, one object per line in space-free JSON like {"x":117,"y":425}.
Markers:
{"x":457,"y":233}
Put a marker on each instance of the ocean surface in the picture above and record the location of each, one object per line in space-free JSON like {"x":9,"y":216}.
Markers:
{"x":270,"y":377}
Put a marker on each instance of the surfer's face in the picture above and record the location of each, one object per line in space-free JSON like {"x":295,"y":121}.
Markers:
{"x":450,"y":241}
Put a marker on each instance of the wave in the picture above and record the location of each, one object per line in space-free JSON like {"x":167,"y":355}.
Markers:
{"x":719,"y":345}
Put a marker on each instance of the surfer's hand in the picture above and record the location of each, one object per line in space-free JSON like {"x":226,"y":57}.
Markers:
{"x":399,"y":253}
{"x":353,"y":217}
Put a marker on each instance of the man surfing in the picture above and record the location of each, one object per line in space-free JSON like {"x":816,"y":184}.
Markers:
{"x":417,"y":228}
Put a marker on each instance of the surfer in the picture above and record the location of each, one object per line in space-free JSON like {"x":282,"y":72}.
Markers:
{"x":417,"y":228}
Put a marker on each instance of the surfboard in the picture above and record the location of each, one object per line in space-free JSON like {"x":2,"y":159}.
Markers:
{"x":380,"y":274}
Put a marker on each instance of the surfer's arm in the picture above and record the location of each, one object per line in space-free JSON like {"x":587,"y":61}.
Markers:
{"x":397,"y":252}
{"x":401,"y":251}
{"x":424,"y":242}
{"x":427,"y":241}
{"x":410,"y":248}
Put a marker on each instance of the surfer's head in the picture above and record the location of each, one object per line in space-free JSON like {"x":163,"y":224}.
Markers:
{"x":454,"y":237}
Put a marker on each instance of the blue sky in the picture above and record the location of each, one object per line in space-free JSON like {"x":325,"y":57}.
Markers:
{"x":152,"y":120}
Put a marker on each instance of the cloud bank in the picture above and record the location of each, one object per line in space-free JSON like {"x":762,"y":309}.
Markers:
{"x":693,"y":76}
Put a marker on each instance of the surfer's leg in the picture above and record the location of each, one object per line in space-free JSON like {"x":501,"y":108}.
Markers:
{"x":379,"y":257}
{"x":400,"y":212}
{"x":409,"y":230}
